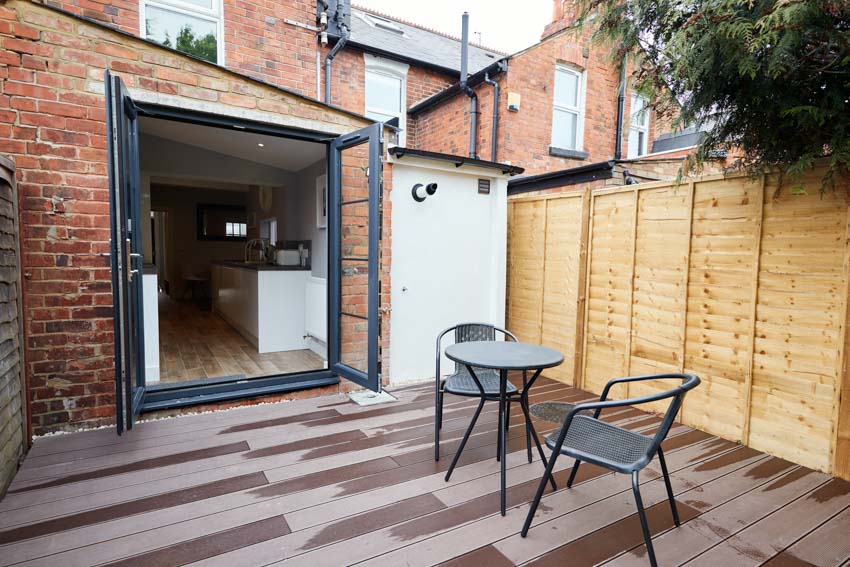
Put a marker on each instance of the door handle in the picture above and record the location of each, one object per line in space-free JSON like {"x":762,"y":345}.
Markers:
{"x":135,"y":255}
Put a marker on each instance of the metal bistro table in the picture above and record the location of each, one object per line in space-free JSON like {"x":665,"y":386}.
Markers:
{"x":504,"y":356}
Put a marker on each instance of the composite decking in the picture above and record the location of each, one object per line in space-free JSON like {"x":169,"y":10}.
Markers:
{"x":324,"y":482}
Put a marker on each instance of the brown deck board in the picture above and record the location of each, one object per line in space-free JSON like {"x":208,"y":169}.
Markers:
{"x":324,"y":482}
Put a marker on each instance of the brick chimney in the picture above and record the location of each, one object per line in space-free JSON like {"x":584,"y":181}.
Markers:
{"x":563,"y":15}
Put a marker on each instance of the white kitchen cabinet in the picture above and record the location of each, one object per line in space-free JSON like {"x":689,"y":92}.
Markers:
{"x":264,"y":304}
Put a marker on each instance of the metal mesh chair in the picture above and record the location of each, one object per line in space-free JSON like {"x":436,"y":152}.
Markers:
{"x":587,"y":438}
{"x":461,"y":383}
{"x":480,"y":383}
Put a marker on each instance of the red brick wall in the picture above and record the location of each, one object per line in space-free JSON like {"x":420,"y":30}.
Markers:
{"x":524,"y":137}
{"x":348,"y":86}
{"x":52,"y":126}
{"x":257,"y":40}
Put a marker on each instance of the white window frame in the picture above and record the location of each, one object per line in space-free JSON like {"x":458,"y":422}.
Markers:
{"x":216,"y":15}
{"x":637,"y":129}
{"x":395,"y":70}
{"x":579,"y":110}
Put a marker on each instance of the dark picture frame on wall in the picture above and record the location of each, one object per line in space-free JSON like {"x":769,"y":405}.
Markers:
{"x":222,"y":222}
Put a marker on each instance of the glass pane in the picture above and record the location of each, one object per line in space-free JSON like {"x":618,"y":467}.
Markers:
{"x":383,"y":92}
{"x":354,"y":266}
{"x":208,"y":4}
{"x":640,"y":115}
{"x":566,"y":88}
{"x":564,"y":126}
{"x":185,"y":33}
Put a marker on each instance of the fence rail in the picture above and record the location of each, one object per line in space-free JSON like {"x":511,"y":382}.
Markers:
{"x":726,"y":277}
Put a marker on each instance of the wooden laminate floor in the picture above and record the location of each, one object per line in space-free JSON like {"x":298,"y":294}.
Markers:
{"x":196,"y":344}
{"x":322,"y":482}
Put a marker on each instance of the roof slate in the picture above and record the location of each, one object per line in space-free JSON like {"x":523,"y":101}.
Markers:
{"x":416,"y":43}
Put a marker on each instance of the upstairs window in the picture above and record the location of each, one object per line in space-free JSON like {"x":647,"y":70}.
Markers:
{"x":638,"y":126}
{"x":190,"y":26}
{"x":568,"y":109}
{"x":386,"y":91}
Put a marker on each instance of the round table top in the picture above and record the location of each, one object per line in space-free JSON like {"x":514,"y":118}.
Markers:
{"x":504,"y":355}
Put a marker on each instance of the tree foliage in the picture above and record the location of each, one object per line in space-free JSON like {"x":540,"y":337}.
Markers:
{"x":768,"y":80}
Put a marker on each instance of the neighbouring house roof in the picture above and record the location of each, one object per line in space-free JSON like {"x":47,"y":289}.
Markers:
{"x":562,"y":178}
{"x":457,"y":161}
{"x":397,"y":39}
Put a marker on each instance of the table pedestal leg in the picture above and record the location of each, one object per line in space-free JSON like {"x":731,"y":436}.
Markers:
{"x":503,"y":380}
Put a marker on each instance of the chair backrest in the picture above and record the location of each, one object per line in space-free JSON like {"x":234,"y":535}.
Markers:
{"x":676,"y":396}
{"x":468,"y":332}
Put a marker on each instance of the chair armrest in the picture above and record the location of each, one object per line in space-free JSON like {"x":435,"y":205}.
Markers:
{"x":507,"y":333}
{"x":440,"y":352}
{"x":686,"y":378}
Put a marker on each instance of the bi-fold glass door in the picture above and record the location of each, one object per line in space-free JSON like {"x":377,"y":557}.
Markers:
{"x":355,"y":173}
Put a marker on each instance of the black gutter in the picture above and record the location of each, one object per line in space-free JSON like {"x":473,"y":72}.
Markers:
{"x":344,"y":35}
{"x":457,"y":161}
{"x":562,"y":178}
{"x":494,"y":128}
{"x":453,"y":90}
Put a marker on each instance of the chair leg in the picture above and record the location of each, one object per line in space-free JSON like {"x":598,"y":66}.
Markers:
{"x":465,"y":438}
{"x":536,"y":502}
{"x":669,"y":487}
{"x":573,"y":474}
{"x":529,"y":427}
{"x":647,"y":537}
{"x":438,"y":423}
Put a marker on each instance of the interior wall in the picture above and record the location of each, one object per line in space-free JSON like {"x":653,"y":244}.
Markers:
{"x":163,"y":158}
{"x":300,"y":216}
{"x":184,"y":252}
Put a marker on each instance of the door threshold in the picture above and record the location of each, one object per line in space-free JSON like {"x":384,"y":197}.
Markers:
{"x":227,"y":390}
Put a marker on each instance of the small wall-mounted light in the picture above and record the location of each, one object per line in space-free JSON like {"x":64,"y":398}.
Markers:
{"x":261,"y":145}
{"x":420,"y":191}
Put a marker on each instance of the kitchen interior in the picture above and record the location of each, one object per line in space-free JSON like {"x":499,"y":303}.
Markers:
{"x":235,"y":250}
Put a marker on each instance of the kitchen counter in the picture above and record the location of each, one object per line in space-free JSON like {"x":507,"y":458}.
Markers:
{"x":264,"y":303}
{"x":260,"y":267}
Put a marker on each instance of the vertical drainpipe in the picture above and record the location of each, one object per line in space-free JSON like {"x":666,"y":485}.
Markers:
{"x":473,"y":98}
{"x":621,"y":110}
{"x":343,"y":39}
{"x":494,"y":129}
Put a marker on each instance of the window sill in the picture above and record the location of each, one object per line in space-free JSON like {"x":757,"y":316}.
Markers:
{"x":563,"y":152}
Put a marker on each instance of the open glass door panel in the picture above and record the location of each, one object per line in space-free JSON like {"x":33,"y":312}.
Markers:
{"x":125,"y":251}
{"x":355,"y":185}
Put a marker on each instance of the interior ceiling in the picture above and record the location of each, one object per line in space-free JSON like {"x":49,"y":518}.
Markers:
{"x":283,"y":153}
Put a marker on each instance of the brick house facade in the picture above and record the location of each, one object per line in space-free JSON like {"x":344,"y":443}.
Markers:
{"x":525,"y":133}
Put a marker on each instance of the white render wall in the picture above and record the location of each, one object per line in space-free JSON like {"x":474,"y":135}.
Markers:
{"x":448,"y":260}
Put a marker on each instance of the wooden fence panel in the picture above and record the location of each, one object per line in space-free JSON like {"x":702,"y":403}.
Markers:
{"x":660,"y":285}
{"x":561,"y":282}
{"x":525,"y":276}
{"x":799,"y":323}
{"x":725,"y":277}
{"x":721,"y":279}
{"x":609,"y":297}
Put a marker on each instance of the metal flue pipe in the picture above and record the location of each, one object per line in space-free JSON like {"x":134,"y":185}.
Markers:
{"x":464,"y":77}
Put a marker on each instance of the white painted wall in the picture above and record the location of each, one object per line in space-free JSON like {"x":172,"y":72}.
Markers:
{"x":150,"y":319}
{"x":448,"y":260}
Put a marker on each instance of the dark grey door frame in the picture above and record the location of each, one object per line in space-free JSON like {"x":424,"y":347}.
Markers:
{"x":125,"y":251}
{"x":372,"y":135}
